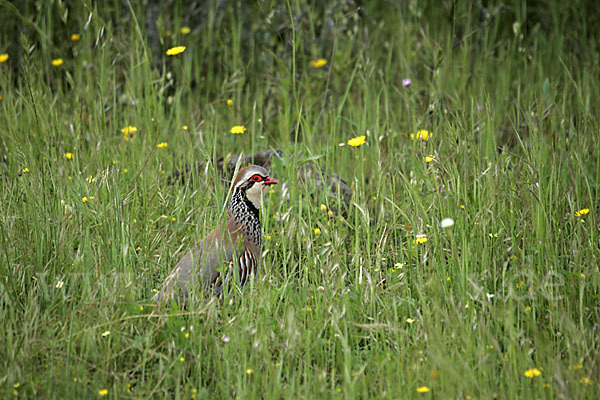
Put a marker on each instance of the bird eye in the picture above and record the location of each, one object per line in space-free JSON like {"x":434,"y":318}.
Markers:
{"x":256,"y":178}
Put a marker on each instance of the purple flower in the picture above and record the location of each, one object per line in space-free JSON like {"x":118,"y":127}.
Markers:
{"x":479,"y":108}
{"x":406,"y":82}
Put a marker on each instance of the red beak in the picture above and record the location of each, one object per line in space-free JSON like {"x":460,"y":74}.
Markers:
{"x":269,"y":181}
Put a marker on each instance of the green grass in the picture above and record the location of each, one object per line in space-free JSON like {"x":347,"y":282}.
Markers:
{"x":510,"y":96}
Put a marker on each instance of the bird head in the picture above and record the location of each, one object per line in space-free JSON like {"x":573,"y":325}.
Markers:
{"x":254,"y":182}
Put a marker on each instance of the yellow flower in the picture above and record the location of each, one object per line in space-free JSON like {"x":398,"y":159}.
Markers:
{"x":317,"y":231}
{"x":229,"y":102}
{"x":25,"y":170}
{"x":181,"y":359}
{"x":186,"y":335}
{"x":184,"y":127}
{"x":185,"y":30}
{"x":576,"y":367}
{"x":249,"y":371}
{"x":318,"y":63}
{"x":582,"y":212}
{"x":103,"y":392}
{"x":85,"y":199}
{"x":357,"y":141}
{"x":238,"y":129}
{"x":3,"y":58}
{"x":125,"y":170}
{"x":421,"y":239}
{"x":330,"y":213}
{"x":323,"y":207}
{"x":309,"y":308}
{"x":410,"y":320}
{"x":175,"y":50}
{"x":462,"y":206}
{"x":162,"y":145}
{"x":528,"y":309}
{"x":68,"y":156}
{"x":75,"y":37}
{"x":429,"y":158}
{"x":532,"y":373}
{"x":129,"y":133}
{"x":105,"y":333}
{"x":585,"y":380}
{"x":57,"y":62}
{"x":423,"y":389}
{"x":422,"y":134}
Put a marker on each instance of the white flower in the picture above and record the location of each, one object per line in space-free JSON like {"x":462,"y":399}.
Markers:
{"x":447,"y":223}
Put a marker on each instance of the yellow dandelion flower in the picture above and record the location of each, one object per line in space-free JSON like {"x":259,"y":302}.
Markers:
{"x":141,"y":307}
{"x":185,"y":30}
{"x":184,"y":127}
{"x":317,"y":231}
{"x":105,"y":333}
{"x":229,"y":103}
{"x":585,"y":380}
{"x":309,"y":308}
{"x":421,"y":134}
{"x":462,"y":206}
{"x":84,"y":199}
{"x":68,"y":156}
{"x":267,"y":237}
{"x":330,"y":213}
{"x":3,"y":58}
{"x":57,"y":62}
{"x":421,"y":239}
{"x":238,"y":129}
{"x":410,"y":320}
{"x":249,"y":371}
{"x":318,"y":63}
{"x":162,"y":145}
{"x":528,"y":309}
{"x":338,"y":389}
{"x":75,"y":37}
{"x":323,"y":207}
{"x":582,"y":212}
{"x":25,"y":170}
{"x":125,"y":170}
{"x":429,"y":158}
{"x":182,"y":359}
{"x":175,"y":50}
{"x":186,"y":335}
{"x":103,"y":392}
{"x":423,"y":389}
{"x":448,"y":279}
{"x":532,"y":373}
{"x":341,"y":219}
{"x":357,"y":141}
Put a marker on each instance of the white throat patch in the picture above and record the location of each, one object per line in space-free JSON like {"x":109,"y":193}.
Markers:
{"x":255,"y":194}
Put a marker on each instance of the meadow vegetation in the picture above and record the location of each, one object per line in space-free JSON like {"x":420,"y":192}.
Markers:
{"x":486,"y":114}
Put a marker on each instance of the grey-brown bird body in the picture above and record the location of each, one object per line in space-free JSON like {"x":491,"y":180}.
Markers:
{"x":234,"y":246}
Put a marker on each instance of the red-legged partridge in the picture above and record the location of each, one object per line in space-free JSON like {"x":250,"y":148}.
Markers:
{"x":237,"y":245}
